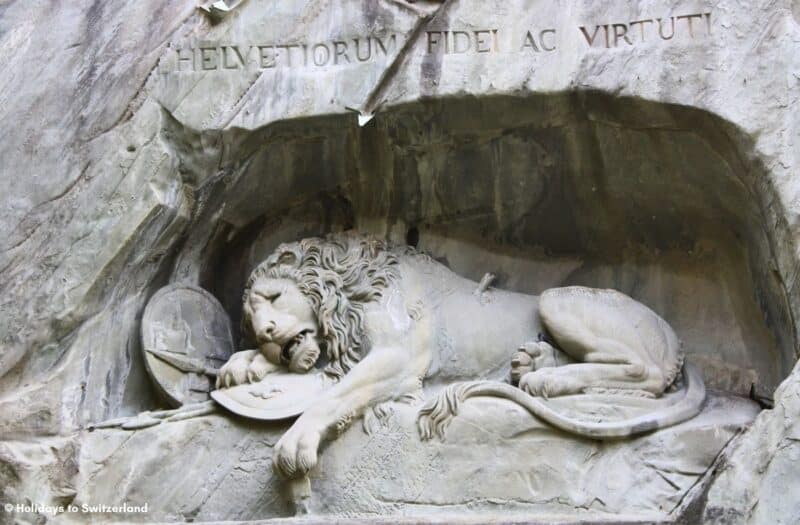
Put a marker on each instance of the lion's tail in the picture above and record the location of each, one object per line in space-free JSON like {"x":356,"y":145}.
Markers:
{"x":437,"y":413}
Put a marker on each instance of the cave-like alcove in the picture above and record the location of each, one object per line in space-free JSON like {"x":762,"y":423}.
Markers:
{"x":662,"y":202}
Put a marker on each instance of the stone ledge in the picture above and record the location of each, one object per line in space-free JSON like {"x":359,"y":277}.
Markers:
{"x":495,"y":454}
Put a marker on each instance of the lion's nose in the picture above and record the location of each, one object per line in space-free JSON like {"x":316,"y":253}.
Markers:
{"x":267,"y":332}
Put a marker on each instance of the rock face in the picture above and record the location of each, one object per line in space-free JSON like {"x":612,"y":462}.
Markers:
{"x":650,"y":148}
{"x":756,"y":482}
{"x":496,"y":458}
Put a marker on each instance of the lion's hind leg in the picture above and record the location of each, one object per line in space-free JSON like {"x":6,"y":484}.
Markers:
{"x":582,"y":377}
{"x":608,"y":333}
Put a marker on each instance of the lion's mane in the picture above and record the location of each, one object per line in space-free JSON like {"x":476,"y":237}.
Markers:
{"x":339,"y":275}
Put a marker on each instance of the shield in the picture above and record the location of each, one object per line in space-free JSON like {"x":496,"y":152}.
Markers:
{"x":280,"y":395}
{"x":186,"y":337}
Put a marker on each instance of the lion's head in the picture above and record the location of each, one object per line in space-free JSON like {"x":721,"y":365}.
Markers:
{"x":314,"y":291}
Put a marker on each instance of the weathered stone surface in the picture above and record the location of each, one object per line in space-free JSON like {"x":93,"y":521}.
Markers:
{"x":757,"y":480}
{"x":37,"y":472}
{"x":665,"y":168}
{"x":525,"y":467}
{"x":176,"y":468}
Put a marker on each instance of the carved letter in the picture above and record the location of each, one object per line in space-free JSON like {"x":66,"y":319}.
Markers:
{"x":182,"y":59}
{"x":541,"y":39}
{"x":432,"y":39}
{"x":620,"y":30}
{"x":208,"y":61}
{"x":689,"y":22}
{"x":288,"y":48}
{"x":661,"y":29}
{"x":480,"y":42}
{"x":589,"y":40}
{"x":642,"y":24}
{"x":318,"y":57}
{"x":340,"y":49}
{"x":266,"y":60}
{"x":531,"y":43}
{"x":357,"y":43}
{"x":391,"y":44}
{"x":225,"y":63}
{"x":461,"y":37}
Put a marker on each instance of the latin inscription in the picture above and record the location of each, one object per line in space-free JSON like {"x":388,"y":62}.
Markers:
{"x":545,"y":40}
{"x":647,"y":30}
{"x":446,"y":41}
{"x":219,"y":57}
{"x":460,"y":42}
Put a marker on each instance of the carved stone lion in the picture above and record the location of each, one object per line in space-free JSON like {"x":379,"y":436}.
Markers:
{"x":386,"y":319}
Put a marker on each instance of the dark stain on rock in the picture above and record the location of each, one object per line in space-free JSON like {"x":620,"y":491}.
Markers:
{"x":431,"y":69}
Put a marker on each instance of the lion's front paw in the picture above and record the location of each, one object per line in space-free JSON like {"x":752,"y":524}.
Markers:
{"x":532,"y":356}
{"x":258,"y":368}
{"x":546,"y":383}
{"x":542,"y":353}
{"x":296,"y":452}
{"x":234,"y":372}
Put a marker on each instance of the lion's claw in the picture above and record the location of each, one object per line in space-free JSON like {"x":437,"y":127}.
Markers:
{"x":296,"y":452}
{"x":521,"y":364}
{"x":258,"y":368}
{"x":235,"y":371}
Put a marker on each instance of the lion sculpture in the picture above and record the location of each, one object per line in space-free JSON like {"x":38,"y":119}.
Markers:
{"x":383,"y":319}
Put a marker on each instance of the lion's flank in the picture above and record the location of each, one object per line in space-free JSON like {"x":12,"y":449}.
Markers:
{"x":339,"y":274}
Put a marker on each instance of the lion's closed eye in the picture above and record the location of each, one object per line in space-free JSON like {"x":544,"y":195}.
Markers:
{"x":269,"y":297}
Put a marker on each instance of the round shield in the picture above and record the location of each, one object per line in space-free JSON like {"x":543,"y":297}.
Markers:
{"x":186,"y":338}
{"x":279,"y":395}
